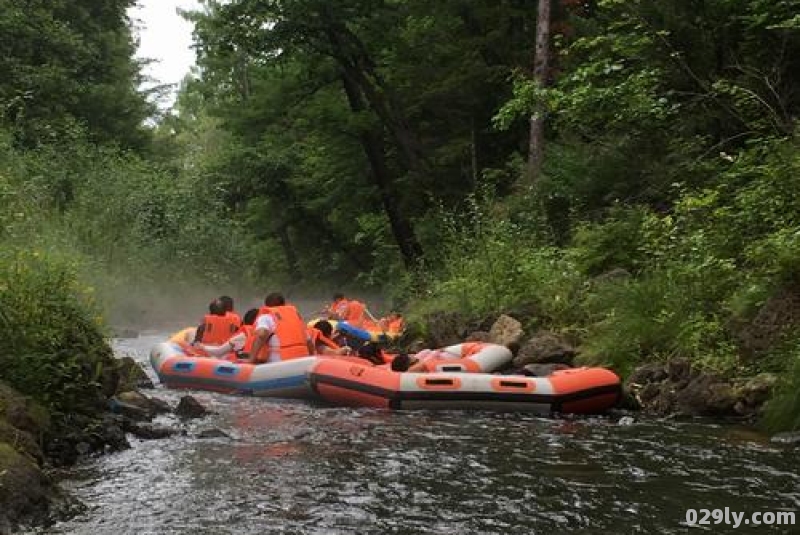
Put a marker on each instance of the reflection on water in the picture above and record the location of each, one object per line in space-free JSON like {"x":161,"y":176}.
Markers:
{"x":294,"y":468}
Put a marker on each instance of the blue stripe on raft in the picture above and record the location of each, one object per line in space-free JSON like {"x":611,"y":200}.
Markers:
{"x":348,"y":330}
{"x":280,"y":383}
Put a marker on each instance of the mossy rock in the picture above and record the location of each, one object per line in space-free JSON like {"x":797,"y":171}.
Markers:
{"x":25,"y":491}
{"x":22,"y":441}
{"x":22,"y":412}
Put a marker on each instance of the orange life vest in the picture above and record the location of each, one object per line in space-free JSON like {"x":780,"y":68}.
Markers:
{"x":290,"y":330}
{"x":317,"y":337}
{"x":355,"y":313}
{"x":217,"y":329}
{"x":236,"y":318}
{"x":395,"y":326}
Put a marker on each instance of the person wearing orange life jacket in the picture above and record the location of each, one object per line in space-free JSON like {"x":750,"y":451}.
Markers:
{"x":227,"y":302}
{"x":393,"y":324}
{"x":321,"y":338}
{"x":421,"y":361}
{"x":280,"y":332}
{"x":216,"y":327}
{"x":236,"y":346}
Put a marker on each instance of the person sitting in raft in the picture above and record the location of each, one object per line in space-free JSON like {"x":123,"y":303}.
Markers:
{"x":393,"y":324}
{"x":321,"y":335}
{"x":424,"y":360}
{"x":227,"y":302}
{"x":217,"y":327}
{"x":238,"y":345}
{"x":371,"y":352}
{"x":280,"y":332}
{"x":184,"y":336}
{"x":349,"y":310}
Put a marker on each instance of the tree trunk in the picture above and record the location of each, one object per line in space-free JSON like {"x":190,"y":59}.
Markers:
{"x":541,"y":67}
{"x":372,"y":143}
{"x":288,"y":252}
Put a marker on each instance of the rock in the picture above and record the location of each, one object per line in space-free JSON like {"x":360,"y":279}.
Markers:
{"x":213,"y":433}
{"x":132,"y":376}
{"x":25,"y":491}
{"x":786,"y":439}
{"x":22,"y":441}
{"x":653,"y":372}
{"x":188,"y":407}
{"x":757,"y":390}
{"x":706,"y":395}
{"x":545,"y":348}
{"x":542,"y":370}
{"x":478,"y":336}
{"x":678,"y":370}
{"x":137,"y":406}
{"x":446,"y":328}
{"x":506,"y":330}
{"x":149,"y":431}
{"x":626,"y":421}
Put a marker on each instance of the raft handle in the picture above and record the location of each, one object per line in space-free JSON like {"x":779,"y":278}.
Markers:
{"x":439,"y":382}
{"x":451,"y":368}
{"x":515,"y":384}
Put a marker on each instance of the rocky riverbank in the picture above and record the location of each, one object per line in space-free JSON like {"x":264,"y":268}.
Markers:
{"x":671,"y":389}
{"x":33,"y":442}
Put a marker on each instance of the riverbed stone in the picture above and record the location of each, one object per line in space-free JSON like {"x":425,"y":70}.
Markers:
{"x":189,"y":407}
{"x":546,"y":348}
{"x":506,"y":330}
{"x":150,"y":431}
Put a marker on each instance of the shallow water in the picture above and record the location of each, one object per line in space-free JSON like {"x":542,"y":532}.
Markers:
{"x":291,"y":467}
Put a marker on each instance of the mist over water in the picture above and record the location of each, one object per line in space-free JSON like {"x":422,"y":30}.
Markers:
{"x":294,"y":467}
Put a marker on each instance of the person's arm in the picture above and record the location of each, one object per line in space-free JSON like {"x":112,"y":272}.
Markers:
{"x":261,"y":337}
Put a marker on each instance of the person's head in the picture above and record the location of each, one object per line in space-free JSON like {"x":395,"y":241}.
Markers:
{"x":324,"y":327}
{"x":402,"y":363}
{"x":338,"y":296}
{"x":227,"y":302}
{"x":216,"y":308}
{"x":274,"y":299}
{"x":250,"y":316}
{"x":371,"y":352}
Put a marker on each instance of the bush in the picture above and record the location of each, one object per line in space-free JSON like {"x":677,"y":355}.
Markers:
{"x":54,"y":349}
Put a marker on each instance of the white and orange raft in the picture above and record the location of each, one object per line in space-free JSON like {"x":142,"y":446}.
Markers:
{"x":575,"y":391}
{"x":177,"y":369}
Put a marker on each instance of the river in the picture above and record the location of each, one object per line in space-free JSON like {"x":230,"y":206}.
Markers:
{"x":290,"y":467}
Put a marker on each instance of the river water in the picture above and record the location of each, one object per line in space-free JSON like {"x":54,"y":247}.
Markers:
{"x":290,"y":467}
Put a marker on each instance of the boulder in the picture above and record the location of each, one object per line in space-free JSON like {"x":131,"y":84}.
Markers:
{"x":545,"y":348}
{"x":189,"y":407}
{"x":132,"y":376}
{"x":25,"y":491}
{"x":150,"y":431}
{"x":137,"y":406}
{"x":506,"y":330}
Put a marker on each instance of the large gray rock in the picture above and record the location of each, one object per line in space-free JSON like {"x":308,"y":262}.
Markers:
{"x":545,"y":348}
{"x":506,"y":330}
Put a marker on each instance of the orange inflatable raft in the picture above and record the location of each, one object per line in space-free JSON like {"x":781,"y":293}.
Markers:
{"x":576,"y":391}
{"x":177,"y":369}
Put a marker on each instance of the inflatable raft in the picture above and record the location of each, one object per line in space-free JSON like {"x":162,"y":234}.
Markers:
{"x":372,"y":333}
{"x":286,"y":379}
{"x":576,"y":391}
